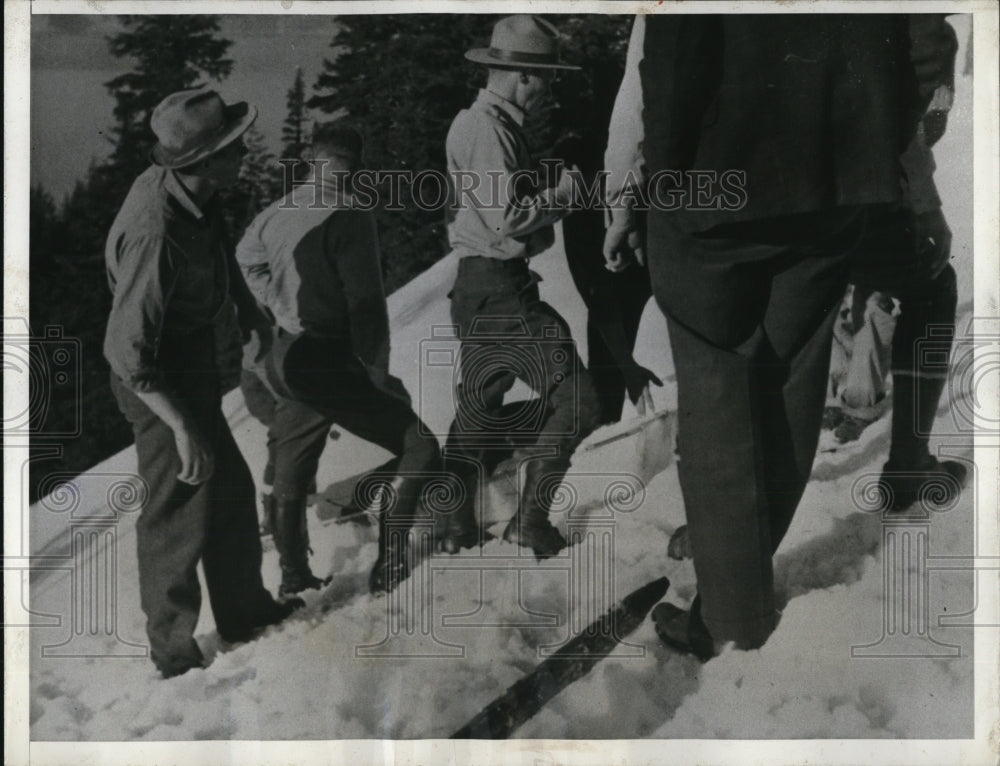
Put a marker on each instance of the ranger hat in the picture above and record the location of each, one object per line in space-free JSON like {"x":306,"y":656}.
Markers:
{"x":521,"y":42}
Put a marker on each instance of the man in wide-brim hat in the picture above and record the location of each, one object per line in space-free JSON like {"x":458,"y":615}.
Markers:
{"x":173,"y":278}
{"x":499,"y":224}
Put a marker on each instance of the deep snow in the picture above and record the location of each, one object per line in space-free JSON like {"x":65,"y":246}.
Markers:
{"x":306,"y":680}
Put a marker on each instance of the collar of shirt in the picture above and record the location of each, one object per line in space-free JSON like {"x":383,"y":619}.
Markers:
{"x":512,"y":110}
{"x":176,"y":189}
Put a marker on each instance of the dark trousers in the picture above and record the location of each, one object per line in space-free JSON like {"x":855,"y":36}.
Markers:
{"x":508,"y":333}
{"x":615,"y":303}
{"x":750,"y":310}
{"x":320,"y":382}
{"x":180,"y":524}
{"x":914,"y":269}
{"x":262,"y":404}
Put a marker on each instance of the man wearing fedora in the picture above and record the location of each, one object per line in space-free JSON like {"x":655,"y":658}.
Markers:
{"x":173,"y":277}
{"x":314,"y":262}
{"x":496,"y":307}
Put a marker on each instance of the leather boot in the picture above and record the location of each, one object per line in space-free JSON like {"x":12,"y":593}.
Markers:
{"x":530,"y":527}
{"x":935,"y":483}
{"x":397,"y":504}
{"x":459,"y":529}
{"x":920,"y":370}
{"x":291,"y":538}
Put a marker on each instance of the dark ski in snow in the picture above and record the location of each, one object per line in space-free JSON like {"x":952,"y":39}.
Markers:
{"x":526,"y":697}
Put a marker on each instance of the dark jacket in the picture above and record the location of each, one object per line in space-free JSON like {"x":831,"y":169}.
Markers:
{"x":815,"y":109}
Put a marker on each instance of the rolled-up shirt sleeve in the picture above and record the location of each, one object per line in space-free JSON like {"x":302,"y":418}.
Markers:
{"x":252,"y":257}
{"x":146,"y":272}
{"x":623,"y":158}
{"x":520,"y":210}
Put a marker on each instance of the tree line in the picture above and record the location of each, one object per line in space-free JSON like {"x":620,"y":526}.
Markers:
{"x":400,"y":79}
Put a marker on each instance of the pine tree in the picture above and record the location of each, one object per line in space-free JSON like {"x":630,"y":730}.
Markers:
{"x":258,"y":186}
{"x":293,"y":133}
{"x":43,"y":229}
{"x":171,"y":53}
{"x":401,"y":79}
{"x":582,"y":100}
{"x":68,"y":283}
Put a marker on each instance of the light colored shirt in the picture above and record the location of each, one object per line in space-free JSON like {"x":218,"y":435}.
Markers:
{"x":623,"y":159}
{"x":168,"y":264}
{"x":499,"y":211}
{"x":313,"y":261}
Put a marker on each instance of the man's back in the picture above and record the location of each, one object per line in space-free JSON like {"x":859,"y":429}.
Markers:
{"x":307,"y":255}
{"x":815,"y":109}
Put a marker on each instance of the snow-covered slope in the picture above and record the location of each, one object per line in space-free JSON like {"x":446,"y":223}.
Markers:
{"x":353,"y":667}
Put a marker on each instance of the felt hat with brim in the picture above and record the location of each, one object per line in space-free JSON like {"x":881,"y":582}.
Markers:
{"x":521,"y":42}
{"x":191,"y":125}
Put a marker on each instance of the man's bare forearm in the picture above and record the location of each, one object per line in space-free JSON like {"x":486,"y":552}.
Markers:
{"x":166,"y":407}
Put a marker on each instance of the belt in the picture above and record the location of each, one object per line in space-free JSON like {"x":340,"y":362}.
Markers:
{"x":479,"y":264}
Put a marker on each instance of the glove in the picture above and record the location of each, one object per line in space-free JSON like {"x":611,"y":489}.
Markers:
{"x":389,"y":384}
{"x":637,"y":382}
{"x":257,"y":334}
{"x":936,"y":119}
{"x":566,"y":193}
{"x":394,"y":386}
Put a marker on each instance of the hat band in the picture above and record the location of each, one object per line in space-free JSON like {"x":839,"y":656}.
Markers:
{"x":518,"y":57}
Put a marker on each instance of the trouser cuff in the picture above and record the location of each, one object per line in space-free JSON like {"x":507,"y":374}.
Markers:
{"x":747,"y":633}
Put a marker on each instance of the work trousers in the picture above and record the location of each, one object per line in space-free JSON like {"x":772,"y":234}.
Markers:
{"x":319,"y":382}
{"x":615,"y":304}
{"x":262,"y":404}
{"x":750,"y":309}
{"x":897,"y":256}
{"x":508,"y":333}
{"x":214,"y":522}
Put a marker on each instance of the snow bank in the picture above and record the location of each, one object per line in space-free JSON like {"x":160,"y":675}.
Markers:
{"x":348,"y":668}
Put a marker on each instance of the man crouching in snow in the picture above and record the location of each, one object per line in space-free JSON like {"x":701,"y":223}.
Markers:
{"x":313,"y":261}
{"x":173,"y":278}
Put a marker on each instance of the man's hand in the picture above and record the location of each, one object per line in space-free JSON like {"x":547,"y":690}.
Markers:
{"x":637,"y":383}
{"x":933,"y":241}
{"x":566,"y":193}
{"x":390,"y":384}
{"x":197,"y":459}
{"x":936,"y":118}
{"x":394,"y":386}
{"x":257,"y":343}
{"x":257,"y":331}
{"x":622,"y":245}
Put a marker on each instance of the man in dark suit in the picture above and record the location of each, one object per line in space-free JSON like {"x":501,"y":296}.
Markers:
{"x":768,"y":142}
